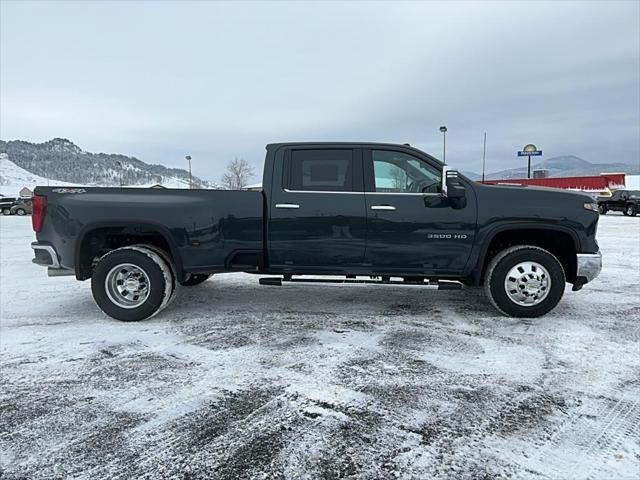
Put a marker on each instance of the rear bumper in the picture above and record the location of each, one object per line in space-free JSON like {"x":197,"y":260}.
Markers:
{"x":589,"y":267}
{"x":45,"y":255}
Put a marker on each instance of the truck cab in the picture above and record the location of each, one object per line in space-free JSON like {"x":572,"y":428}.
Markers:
{"x":369,"y":209}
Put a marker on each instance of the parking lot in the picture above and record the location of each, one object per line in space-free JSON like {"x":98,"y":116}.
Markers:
{"x":236,"y":380}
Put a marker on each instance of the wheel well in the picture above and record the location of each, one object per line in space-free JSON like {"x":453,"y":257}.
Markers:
{"x":560,"y":244}
{"x":98,"y":242}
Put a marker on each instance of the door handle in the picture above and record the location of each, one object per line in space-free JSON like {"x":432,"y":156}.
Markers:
{"x":287,"y":205}
{"x":382,"y":207}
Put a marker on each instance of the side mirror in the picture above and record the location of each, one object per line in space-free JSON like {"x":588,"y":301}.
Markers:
{"x":453,"y":189}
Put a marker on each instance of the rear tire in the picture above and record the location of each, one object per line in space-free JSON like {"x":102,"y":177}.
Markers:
{"x":524,"y":281}
{"x":167,"y":260}
{"x":6,"y":211}
{"x":602,"y":209}
{"x":132,"y":283}
{"x":21,"y":211}
{"x":195,"y":279}
{"x":630,"y":210}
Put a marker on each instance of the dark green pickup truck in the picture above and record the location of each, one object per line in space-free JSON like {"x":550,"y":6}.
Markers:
{"x":389,"y":213}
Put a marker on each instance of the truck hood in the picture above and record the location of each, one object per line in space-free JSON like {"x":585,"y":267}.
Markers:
{"x":534,"y":191}
{"x":532,"y":203}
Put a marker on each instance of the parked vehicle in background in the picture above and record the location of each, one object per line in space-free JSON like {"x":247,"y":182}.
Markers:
{"x":385,"y":211}
{"x":6,"y":203}
{"x":22,"y":206}
{"x":625,"y":201}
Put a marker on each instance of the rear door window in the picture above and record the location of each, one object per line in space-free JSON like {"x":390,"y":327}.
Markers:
{"x":321,"y":170}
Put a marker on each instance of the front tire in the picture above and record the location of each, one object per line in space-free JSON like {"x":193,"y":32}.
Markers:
{"x":132,"y":283}
{"x":524,"y":281}
{"x":195,"y":279}
{"x":602,"y":209}
{"x":6,"y":211}
{"x":630,"y":210}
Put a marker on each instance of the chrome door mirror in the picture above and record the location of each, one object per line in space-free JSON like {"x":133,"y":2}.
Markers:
{"x":453,"y":188}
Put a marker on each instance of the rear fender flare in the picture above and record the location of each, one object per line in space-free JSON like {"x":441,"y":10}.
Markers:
{"x":144,"y":225}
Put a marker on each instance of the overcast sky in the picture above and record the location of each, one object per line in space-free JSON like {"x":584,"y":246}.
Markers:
{"x":216,"y":80}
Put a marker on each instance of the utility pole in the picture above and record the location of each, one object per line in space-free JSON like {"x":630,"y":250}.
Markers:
{"x":188,"y":158}
{"x":443,"y":129}
{"x":484,"y":154}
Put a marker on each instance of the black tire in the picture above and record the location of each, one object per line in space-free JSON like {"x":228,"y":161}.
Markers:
{"x":630,"y":210}
{"x":602,"y":209}
{"x":503,"y":262}
{"x":156,"y":269}
{"x":195,"y":279}
{"x":6,"y":211}
{"x":167,"y":259}
{"x":20,"y":211}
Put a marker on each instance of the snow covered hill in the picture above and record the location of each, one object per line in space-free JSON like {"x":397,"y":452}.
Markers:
{"x":13,"y":178}
{"x":63,"y":160}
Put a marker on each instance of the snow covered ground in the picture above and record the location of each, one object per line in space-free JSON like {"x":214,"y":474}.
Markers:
{"x":237,"y":380}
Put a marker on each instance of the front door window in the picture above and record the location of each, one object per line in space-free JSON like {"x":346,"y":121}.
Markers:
{"x":397,"y":172}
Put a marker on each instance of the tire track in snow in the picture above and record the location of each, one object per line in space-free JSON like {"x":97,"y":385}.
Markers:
{"x":607,"y":426}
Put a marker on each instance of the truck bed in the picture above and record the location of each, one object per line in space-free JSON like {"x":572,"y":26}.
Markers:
{"x":203,"y":228}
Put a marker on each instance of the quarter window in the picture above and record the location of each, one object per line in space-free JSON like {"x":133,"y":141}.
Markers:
{"x":397,"y":172}
{"x":322,"y":170}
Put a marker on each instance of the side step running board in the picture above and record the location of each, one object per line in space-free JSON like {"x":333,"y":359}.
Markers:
{"x":440,"y":284}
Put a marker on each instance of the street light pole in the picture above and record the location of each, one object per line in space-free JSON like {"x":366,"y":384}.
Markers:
{"x":443,"y":129}
{"x":188,"y":158}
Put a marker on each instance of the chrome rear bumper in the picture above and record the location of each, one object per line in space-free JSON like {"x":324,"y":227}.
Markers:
{"x":41,"y":257}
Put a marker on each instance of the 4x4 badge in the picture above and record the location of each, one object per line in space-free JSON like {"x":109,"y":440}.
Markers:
{"x":68,"y":190}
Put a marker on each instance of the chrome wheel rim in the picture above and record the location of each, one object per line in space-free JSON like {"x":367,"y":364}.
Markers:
{"x":127,"y":285}
{"x":527,"y":284}
{"x":630,"y":210}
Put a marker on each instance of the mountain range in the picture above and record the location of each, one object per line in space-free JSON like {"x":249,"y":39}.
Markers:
{"x":561,"y":166}
{"x":60,"y":160}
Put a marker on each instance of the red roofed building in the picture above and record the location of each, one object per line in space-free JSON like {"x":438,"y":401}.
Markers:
{"x":605,"y":182}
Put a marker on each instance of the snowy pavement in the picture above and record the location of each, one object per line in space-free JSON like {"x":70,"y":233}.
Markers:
{"x":236,"y":380}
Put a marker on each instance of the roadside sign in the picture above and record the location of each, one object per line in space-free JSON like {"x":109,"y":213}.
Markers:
{"x":534,"y":153}
{"x":529,"y":150}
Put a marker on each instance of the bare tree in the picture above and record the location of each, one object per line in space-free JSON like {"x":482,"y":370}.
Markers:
{"x":237,"y":175}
